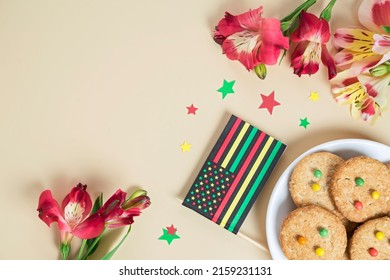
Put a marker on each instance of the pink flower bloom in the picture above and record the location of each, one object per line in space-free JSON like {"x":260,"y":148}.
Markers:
{"x":118,"y":212}
{"x":364,"y":57}
{"x":311,"y":35}
{"x":250,"y":38}
{"x":71,"y":217}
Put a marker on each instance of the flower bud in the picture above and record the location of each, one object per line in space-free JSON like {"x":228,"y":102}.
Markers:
{"x":261,"y":71}
{"x":380,"y":70}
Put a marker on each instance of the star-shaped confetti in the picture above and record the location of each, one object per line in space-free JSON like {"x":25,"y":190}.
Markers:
{"x":304,"y":122}
{"x":191,"y":109}
{"x":269,"y":102}
{"x":314,"y":96}
{"x":185,"y":147}
{"x":227,"y":88}
{"x":172,"y":230}
{"x":169,"y":234}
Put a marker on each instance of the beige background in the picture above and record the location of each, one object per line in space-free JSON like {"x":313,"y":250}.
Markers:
{"x":96,"y":92}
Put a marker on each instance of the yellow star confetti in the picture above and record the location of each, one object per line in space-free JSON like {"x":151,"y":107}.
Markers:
{"x":185,"y":147}
{"x":314,"y":96}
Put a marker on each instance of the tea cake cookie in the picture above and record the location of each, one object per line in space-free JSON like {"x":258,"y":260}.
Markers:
{"x":371,"y":241}
{"x":313,"y":233}
{"x":310,"y":180}
{"x":361,"y":189}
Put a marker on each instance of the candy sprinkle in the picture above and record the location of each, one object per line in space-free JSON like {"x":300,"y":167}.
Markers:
{"x":359,"y":181}
{"x":301,"y":240}
{"x":379,"y":235}
{"x":317,"y":173}
{"x":323,"y":232}
{"x":373,"y":252}
{"x":320,"y":251}
{"x":375,"y":195}
{"x":358,"y":205}
{"x":315,"y":187}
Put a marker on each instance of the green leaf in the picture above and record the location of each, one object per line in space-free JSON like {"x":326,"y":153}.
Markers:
{"x":327,"y":12}
{"x":261,"y":71}
{"x":290,"y":21}
{"x":98,"y":203}
{"x":109,"y":255}
{"x":386,"y":28}
{"x":96,"y":206}
{"x":64,"y":249}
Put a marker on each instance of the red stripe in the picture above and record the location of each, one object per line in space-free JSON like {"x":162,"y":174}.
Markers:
{"x":227,"y":140}
{"x":238,"y":177}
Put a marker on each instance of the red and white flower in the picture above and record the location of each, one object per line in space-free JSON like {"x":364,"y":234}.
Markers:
{"x":71,"y":217}
{"x":119,"y":211}
{"x":311,"y":37}
{"x":250,"y":38}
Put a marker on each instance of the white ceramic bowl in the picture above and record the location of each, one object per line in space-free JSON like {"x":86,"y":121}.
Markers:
{"x":280,"y":203}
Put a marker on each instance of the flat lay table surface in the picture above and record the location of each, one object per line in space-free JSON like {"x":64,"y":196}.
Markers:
{"x":124,"y":94}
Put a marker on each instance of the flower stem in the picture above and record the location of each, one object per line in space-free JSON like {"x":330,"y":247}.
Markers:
{"x":327,"y":12}
{"x":93,"y":245}
{"x":81,"y":249}
{"x":288,"y":22}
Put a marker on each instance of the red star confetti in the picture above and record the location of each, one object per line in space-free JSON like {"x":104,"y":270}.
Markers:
{"x":171,"y":230}
{"x":169,"y":234}
{"x":191,"y":109}
{"x":269,"y":102}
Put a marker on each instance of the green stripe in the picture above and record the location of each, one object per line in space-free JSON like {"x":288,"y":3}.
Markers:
{"x":243,"y":149}
{"x":255,"y":185}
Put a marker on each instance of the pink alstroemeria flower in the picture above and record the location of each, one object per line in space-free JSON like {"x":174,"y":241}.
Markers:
{"x":364,"y":94}
{"x":119,"y":211}
{"x":311,"y":35}
{"x":71,"y":217}
{"x":364,"y":57}
{"x":365,"y":48}
{"x":250,"y":38}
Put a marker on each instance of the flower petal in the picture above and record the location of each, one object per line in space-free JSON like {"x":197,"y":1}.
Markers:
{"x":140,"y":202}
{"x":112,"y":204}
{"x":377,"y":88}
{"x":273,"y":42}
{"x":382,"y":44}
{"x":354,"y":39}
{"x":347,"y":57}
{"x":305,"y":59}
{"x":49,"y":211}
{"x":228,"y":25}
{"x":251,"y":20}
{"x":243,"y":46}
{"x":90,"y":228}
{"x":374,"y":13}
{"x":311,"y":28}
{"x":124,"y":219}
{"x":327,"y":60}
{"x":77,"y":205}
{"x":231,"y":24}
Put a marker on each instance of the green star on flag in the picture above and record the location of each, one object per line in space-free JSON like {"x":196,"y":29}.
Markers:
{"x":168,"y":236}
{"x":227,"y":88}
{"x":304,"y":122}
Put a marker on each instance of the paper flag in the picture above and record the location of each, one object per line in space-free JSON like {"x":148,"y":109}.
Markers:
{"x":234,"y":173}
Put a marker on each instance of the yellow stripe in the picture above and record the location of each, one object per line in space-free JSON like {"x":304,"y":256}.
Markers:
{"x":246,"y":182}
{"x":235,"y":145}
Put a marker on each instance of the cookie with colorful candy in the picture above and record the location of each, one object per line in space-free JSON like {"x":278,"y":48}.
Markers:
{"x":313,"y":233}
{"x":360,"y":189}
{"x":371,"y":241}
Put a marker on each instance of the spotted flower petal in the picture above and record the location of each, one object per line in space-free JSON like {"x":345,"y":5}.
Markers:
{"x":373,"y":14}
